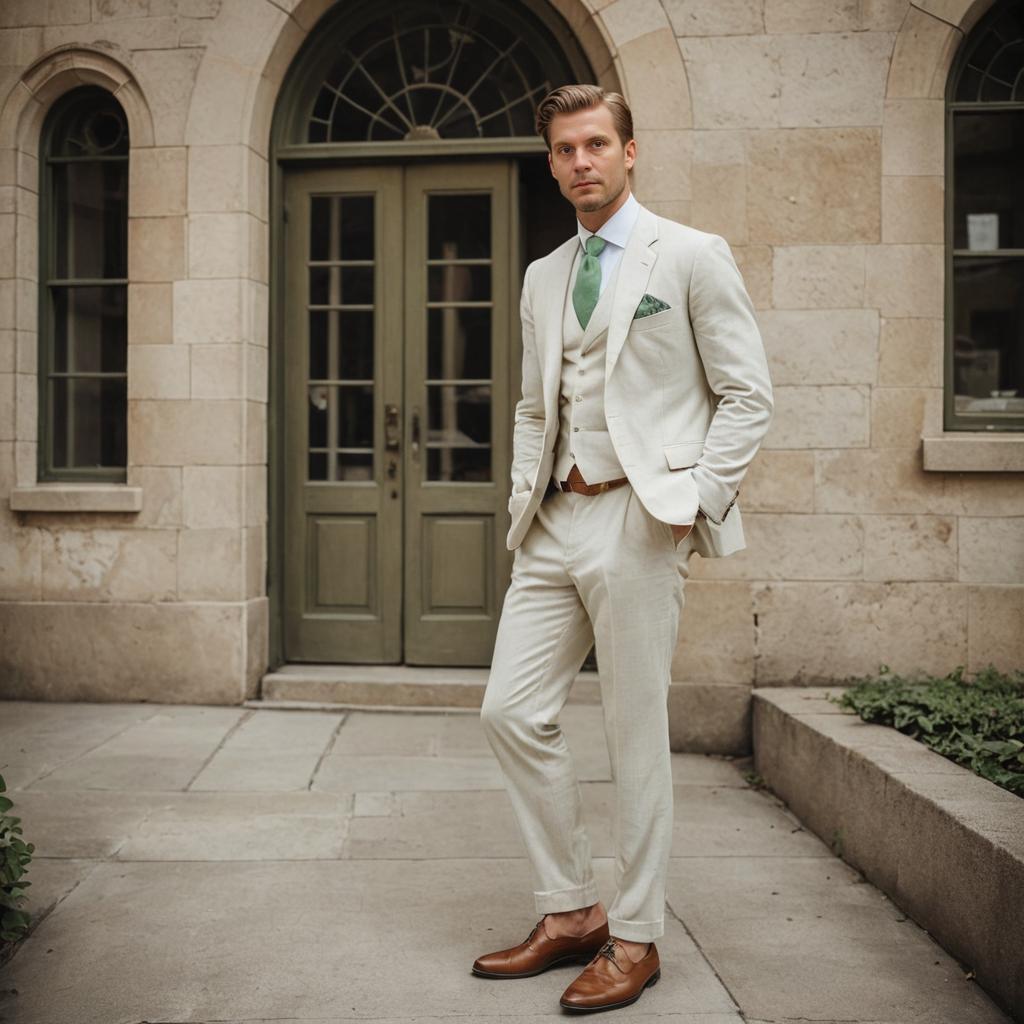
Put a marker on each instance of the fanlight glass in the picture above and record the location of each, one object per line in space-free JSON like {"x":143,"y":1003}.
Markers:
{"x":431,"y":71}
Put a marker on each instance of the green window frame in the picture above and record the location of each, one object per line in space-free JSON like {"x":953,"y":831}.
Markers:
{"x":83,"y":289}
{"x":984,"y":226}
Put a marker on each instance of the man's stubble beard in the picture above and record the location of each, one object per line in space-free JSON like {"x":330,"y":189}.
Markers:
{"x":588,"y":204}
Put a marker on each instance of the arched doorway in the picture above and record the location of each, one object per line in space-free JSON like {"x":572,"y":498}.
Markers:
{"x":409,"y":192}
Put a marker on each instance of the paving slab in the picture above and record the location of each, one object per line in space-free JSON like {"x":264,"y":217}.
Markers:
{"x":164,"y":751}
{"x":807,"y":938}
{"x":272,"y":750}
{"x":38,"y":737}
{"x":242,"y":826}
{"x":52,"y":879}
{"x":87,"y":824}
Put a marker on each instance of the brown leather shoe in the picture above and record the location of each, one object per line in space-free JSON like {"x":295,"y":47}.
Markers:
{"x":538,"y":952}
{"x":611,"y":979}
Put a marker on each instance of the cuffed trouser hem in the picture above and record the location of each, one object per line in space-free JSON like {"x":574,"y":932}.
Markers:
{"x":565,"y":899}
{"x":636,"y":931}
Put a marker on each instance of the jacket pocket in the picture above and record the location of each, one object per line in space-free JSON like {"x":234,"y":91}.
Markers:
{"x":654,"y":320}
{"x":683,"y":454}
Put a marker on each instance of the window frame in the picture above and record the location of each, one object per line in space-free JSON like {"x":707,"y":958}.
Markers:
{"x":952,"y":421}
{"x":47,"y":235}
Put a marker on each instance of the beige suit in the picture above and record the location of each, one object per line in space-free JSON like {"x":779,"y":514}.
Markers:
{"x":680,"y":405}
{"x":687,"y":392}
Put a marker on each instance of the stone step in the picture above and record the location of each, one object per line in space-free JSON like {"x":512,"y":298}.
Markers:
{"x":946,"y":845}
{"x":404,"y":687}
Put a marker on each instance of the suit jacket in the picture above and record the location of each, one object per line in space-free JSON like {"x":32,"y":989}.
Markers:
{"x":687,"y":393}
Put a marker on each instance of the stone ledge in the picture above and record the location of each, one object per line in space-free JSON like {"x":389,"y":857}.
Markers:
{"x":945,"y":844}
{"x":964,"y":452}
{"x":67,"y":497}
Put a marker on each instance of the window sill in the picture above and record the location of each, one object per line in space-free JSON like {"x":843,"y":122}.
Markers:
{"x":61,"y":497}
{"x":963,"y":451}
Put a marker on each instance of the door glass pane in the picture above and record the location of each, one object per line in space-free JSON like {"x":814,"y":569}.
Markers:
{"x":458,"y":344}
{"x":341,"y":345}
{"x":459,"y":226}
{"x":341,"y":318}
{"x":459,"y":337}
{"x":988,"y":359}
{"x":453,"y":282}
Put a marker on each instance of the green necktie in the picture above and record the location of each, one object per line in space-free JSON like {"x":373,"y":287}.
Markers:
{"x":588,"y":280}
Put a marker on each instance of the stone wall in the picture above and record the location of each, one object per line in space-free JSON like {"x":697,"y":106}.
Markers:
{"x":809,"y":133}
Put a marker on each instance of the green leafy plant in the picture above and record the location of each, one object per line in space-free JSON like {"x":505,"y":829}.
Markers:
{"x":978,"y":723}
{"x":15,"y":855}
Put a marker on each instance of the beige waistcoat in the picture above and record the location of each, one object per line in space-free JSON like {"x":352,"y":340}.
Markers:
{"x":583,"y":432}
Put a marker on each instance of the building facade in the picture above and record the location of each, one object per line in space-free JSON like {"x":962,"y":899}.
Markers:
{"x":260,"y":264}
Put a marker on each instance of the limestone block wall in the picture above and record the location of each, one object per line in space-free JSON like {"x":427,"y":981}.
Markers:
{"x":809,"y":133}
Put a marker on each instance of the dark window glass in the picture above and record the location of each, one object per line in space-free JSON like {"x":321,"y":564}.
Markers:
{"x":985,"y":328}
{"x":83,"y":316}
{"x":988,"y":336}
{"x":988,"y":169}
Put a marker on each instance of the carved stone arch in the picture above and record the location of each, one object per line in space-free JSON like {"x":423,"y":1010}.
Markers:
{"x":56,"y":73}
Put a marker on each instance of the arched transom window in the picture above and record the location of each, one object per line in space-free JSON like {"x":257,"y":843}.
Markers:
{"x":409,"y":71}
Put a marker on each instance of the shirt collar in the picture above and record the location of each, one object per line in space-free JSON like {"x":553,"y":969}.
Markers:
{"x":617,"y":228}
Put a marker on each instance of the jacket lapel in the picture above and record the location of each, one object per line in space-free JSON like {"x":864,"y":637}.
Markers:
{"x":547,"y":321}
{"x":638,"y":259}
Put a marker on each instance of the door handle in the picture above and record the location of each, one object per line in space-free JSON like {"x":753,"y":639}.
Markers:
{"x":415,"y":446}
{"x":392,"y":434}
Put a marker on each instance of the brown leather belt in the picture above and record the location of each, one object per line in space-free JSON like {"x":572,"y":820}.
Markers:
{"x":576,"y":483}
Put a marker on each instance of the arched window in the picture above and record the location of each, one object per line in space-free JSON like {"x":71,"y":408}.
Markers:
{"x":985,"y":226}
{"x":83,"y":289}
{"x":412,"y":71}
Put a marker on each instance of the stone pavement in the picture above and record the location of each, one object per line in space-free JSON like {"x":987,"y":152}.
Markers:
{"x":201,"y":864}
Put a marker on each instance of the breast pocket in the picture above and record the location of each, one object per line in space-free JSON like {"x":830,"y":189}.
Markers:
{"x":642,"y":324}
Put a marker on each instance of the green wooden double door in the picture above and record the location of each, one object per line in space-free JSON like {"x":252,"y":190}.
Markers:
{"x":397,"y":411}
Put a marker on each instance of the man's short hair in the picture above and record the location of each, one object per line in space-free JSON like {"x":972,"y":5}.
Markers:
{"x":568,"y":99}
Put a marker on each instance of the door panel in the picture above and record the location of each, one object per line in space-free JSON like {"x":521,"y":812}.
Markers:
{"x":458,"y":262}
{"x":397,"y":432}
{"x":343,"y":570}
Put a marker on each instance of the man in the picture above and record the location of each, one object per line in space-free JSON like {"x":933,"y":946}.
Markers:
{"x":645,"y":397}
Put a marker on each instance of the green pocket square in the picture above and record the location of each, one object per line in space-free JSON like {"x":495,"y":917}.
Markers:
{"x":648,"y":305}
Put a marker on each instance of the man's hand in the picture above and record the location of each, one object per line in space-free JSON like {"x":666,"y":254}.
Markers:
{"x":679,"y":531}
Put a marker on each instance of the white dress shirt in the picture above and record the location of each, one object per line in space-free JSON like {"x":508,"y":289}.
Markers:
{"x":615,"y":231}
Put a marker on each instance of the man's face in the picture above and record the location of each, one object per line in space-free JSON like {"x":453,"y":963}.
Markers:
{"x":588,"y":159}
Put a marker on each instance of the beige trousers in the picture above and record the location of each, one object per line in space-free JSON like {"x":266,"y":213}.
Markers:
{"x":592,"y":569}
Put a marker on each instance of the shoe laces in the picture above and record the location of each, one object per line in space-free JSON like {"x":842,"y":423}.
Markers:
{"x":608,"y":950}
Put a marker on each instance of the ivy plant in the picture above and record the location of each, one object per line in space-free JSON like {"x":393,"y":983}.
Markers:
{"x":15,"y":855}
{"x":978,"y":723}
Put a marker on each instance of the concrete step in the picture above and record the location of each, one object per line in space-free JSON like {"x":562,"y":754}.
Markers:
{"x":946,"y":845}
{"x":379,"y":687}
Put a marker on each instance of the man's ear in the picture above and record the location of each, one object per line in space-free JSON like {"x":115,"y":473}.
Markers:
{"x":551,"y":166}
